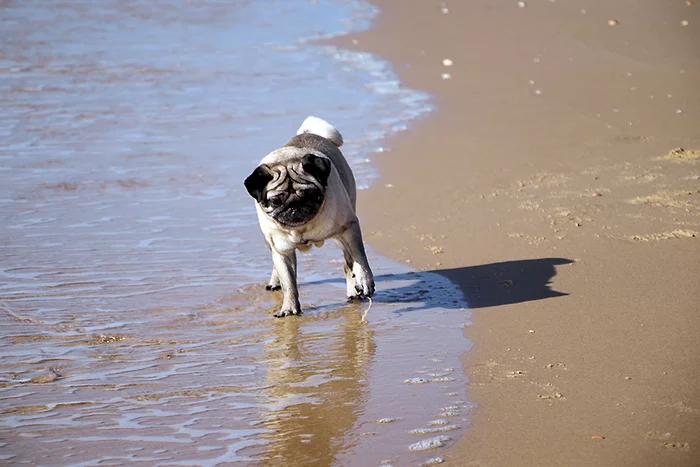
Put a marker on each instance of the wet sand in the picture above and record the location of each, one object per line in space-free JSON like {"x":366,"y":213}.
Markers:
{"x":548,"y":185}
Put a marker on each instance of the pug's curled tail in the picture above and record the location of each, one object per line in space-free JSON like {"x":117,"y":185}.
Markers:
{"x":320,"y":127}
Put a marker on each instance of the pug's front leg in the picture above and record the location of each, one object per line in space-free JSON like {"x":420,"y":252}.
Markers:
{"x":349,"y":279}
{"x":286,"y":267}
{"x":274,"y":283}
{"x":357,"y":271}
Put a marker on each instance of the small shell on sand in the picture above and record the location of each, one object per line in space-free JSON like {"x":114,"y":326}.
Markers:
{"x":684,"y":22}
{"x":446,"y":76}
{"x":613,"y":22}
{"x":447,"y":62}
{"x":522,"y":4}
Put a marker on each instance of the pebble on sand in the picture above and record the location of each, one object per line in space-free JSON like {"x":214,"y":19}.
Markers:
{"x":613,"y":22}
{"x":684,"y":22}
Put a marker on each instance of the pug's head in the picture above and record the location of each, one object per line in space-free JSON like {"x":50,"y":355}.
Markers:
{"x":291,"y":192}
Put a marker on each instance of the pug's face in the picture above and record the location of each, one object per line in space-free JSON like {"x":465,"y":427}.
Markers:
{"x":292,"y":192}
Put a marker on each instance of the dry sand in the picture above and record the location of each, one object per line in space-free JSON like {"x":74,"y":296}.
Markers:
{"x":547,"y":186}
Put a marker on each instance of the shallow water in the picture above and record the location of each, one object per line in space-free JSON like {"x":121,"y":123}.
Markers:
{"x":135,"y":327}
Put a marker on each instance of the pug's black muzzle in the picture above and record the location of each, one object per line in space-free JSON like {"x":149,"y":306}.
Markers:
{"x":297,"y":213}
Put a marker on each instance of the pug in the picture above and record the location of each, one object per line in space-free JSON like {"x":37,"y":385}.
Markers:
{"x":305,"y":194}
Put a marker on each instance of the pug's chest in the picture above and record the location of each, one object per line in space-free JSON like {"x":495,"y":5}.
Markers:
{"x":297,"y":239}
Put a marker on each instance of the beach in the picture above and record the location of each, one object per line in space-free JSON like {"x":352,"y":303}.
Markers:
{"x":557,"y":184}
{"x":529,"y":184}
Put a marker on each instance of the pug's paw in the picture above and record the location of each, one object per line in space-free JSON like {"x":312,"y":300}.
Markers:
{"x":288,"y":312}
{"x":364,"y":283}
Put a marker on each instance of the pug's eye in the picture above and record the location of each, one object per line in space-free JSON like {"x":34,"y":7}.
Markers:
{"x":276,"y":200}
{"x":307,"y":192}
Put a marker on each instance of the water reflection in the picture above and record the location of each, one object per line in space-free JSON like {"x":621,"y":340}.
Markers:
{"x":318,"y":380}
{"x":223,"y":381}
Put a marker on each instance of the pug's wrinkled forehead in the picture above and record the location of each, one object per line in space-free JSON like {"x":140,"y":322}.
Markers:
{"x":302,"y":163}
{"x":293,"y":175}
{"x":289,"y":169}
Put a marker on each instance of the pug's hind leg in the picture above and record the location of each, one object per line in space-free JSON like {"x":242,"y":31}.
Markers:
{"x":356,"y":262}
{"x":274,"y":283}
{"x":286,"y":267}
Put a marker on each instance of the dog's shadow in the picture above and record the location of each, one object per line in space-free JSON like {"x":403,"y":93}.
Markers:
{"x":481,"y":286}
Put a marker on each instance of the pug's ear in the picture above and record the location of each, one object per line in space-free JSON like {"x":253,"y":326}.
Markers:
{"x":257,"y":181}
{"x":318,"y":167}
